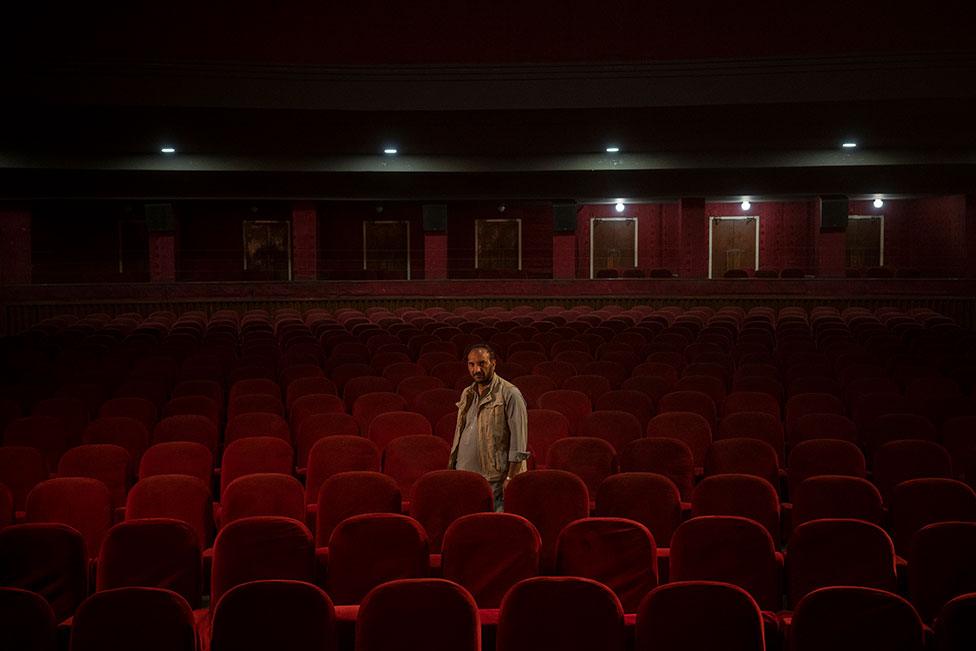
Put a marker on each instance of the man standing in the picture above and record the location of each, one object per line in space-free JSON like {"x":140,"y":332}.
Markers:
{"x":492,"y":425}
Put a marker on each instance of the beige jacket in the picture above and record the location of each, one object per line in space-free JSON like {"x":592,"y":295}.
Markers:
{"x":502,"y":429}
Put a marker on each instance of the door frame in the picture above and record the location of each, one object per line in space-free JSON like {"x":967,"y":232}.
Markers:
{"x":517,"y":220}
{"x":711,"y":228}
{"x":387,"y":221}
{"x":880,"y":234}
{"x":612,"y":219}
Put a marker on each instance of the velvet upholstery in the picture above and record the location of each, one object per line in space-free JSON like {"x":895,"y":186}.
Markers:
{"x":488,"y":553}
{"x":730,"y":549}
{"x":254,"y":386}
{"x":46,"y":559}
{"x":262,"y":494}
{"x":829,"y":552}
{"x":73,"y":412}
{"x":690,"y":400}
{"x":261,"y":547}
{"x":311,"y":404}
{"x":837,"y":496}
{"x":255,"y":424}
{"x":180,"y":497}
{"x":754,"y":425}
{"x":899,"y":427}
{"x":954,"y":628}
{"x":593,"y":386}
{"x":177,"y":458}
{"x":745,"y":456}
{"x":549,"y":499}
{"x":919,"y":502}
{"x":346,"y":494}
{"x":699,"y":616}
{"x":45,"y":433}
{"x":200,"y":405}
{"x":750,"y":401}
{"x":589,"y":458}
{"x":648,"y":498}
{"x":690,"y":428}
{"x":360,"y":386}
{"x":532,"y":386}
{"x":79,"y":502}
{"x":653,"y":386}
{"x":255,"y":454}
{"x":442,"y":496}
{"x":254,"y":403}
{"x":105,"y":462}
{"x":430,"y":614}
{"x":809,"y":403}
{"x":408,"y":458}
{"x":747,"y":496}
{"x":26,"y":621}
{"x":566,"y":613}
{"x":558,"y":371}
{"x":21,"y":469}
{"x":824,"y":457}
{"x":305,"y":386}
{"x":545,"y":427}
{"x":190,"y":428}
{"x":636,"y":403}
{"x":335,"y":454}
{"x":274,"y":614}
{"x":149,"y":619}
{"x":574,"y":405}
{"x":370,"y":549}
{"x":434,"y":403}
{"x":666,"y":456}
{"x":141,"y":409}
{"x":153,"y":553}
{"x":898,"y":461}
{"x":390,"y":425}
{"x":616,"y":427}
{"x":411,"y":386}
{"x":619,"y":553}
{"x":942,"y":565}
{"x":855,"y":618}
{"x":318,"y":426}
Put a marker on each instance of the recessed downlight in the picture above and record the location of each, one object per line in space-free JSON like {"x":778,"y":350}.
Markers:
{"x":167,"y":150}
{"x":613,"y":149}
{"x":619,"y":206}
{"x":390,"y":151}
{"x":850,"y":144}
{"x":746,"y":204}
{"x":878,"y":203}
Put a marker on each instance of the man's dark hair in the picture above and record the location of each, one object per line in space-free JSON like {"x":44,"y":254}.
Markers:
{"x":481,"y":346}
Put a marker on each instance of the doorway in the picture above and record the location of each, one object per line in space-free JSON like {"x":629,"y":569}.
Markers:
{"x":733,"y":243}
{"x":865,"y":241}
{"x":613,"y":244}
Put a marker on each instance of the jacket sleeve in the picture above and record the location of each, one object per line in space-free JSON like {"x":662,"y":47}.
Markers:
{"x":518,"y":426}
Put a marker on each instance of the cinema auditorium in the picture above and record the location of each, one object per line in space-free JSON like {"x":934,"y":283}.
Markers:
{"x":726,"y":253}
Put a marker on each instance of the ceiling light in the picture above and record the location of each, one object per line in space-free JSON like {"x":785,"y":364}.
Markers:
{"x":619,"y":207}
{"x":746,"y":205}
{"x":878,"y":203}
{"x":390,"y":150}
{"x":849,"y":145}
{"x":168,"y":150}
{"x":613,"y":150}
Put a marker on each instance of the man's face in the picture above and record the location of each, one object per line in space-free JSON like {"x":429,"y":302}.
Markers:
{"x":481,"y":366}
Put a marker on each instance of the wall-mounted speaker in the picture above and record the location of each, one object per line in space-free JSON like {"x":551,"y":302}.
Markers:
{"x":435,"y":218}
{"x":160,"y":217}
{"x":833,"y":213}
{"x":564,"y":217}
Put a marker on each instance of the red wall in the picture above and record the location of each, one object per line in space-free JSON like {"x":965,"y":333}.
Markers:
{"x":657,"y":234}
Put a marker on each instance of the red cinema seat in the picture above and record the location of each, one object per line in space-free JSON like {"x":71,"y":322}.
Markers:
{"x":730,"y":549}
{"x":335,"y":454}
{"x":810,"y":403}
{"x":45,"y":433}
{"x":360,"y":386}
{"x":566,"y":613}
{"x":257,"y":423}
{"x":26,"y":621}
{"x":851,"y":618}
{"x":699,"y":616}
{"x":198,"y":405}
{"x":824,"y":457}
{"x":488,"y":553}
{"x":690,"y":428}
{"x":408,"y":458}
{"x":391,"y":425}
{"x":151,"y":553}
{"x":636,"y":403}
{"x":21,"y":469}
{"x":589,"y":458}
{"x":666,"y":456}
{"x":177,"y":458}
{"x":262,"y":494}
{"x":79,"y":502}
{"x":837,"y":496}
{"x":619,"y":553}
{"x":549,"y":499}
{"x":107,"y":463}
{"x":954,"y":627}
{"x":346,"y":494}
{"x":195,"y":429}
{"x":368,"y":550}
{"x":430,"y":614}
{"x":919,"y":502}
{"x":533,"y":386}
{"x":46,"y":559}
{"x":274,"y":613}
{"x":747,"y":496}
{"x":254,"y":403}
{"x":574,"y":405}
{"x":593,"y":386}
{"x":618,"y":428}
{"x":149,"y":619}
{"x":648,"y":498}
{"x":941,"y":566}
{"x":73,"y":412}
{"x":440,"y":497}
{"x":900,"y":461}
{"x":829,"y":552}
{"x":140,"y":409}
{"x":312,"y":404}
{"x":743,"y":456}
{"x":823,"y":426}
{"x":370,"y":405}
{"x":545,"y":427}
{"x":178,"y":497}
{"x":255,"y":454}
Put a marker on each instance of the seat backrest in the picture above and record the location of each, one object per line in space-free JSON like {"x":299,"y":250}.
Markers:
{"x":837,"y":496}
{"x":942,"y":565}
{"x":390,"y":425}
{"x":21,"y":469}
{"x":549,"y":499}
{"x":255,"y":454}
{"x":545,"y":426}
{"x":810,"y":403}
{"x":346,"y":494}
{"x":648,"y":498}
{"x":829,"y":552}
{"x":589,"y":458}
{"x":141,"y":409}
{"x":408,"y":458}
{"x":954,"y":626}
{"x":440,"y":497}
{"x":105,"y":462}
{"x":153,"y":553}
{"x":690,"y":428}
{"x":45,"y":433}
{"x":754,"y":425}
{"x":262,"y":547}
{"x":919,"y":502}
{"x":824,"y":457}
{"x":46,"y":559}
{"x":418,"y":613}
{"x":731,"y":549}
{"x":274,"y":613}
{"x":180,"y":497}
{"x":335,"y":454}
{"x":79,"y":502}
{"x":152,"y":619}
{"x":739,"y":494}
{"x":898,"y":461}
{"x":567,"y":613}
{"x":619,"y":553}
{"x":689,"y":401}
{"x":488,"y":553}
{"x":256,"y":423}
{"x":872,"y":619}
{"x":262,"y":494}
{"x":177,"y":458}
{"x":618,"y":428}
{"x":370,"y":549}
{"x":823,"y":426}
{"x":188,"y":427}
{"x":574,"y":405}
{"x":746,"y":456}
{"x":26,"y":621}
{"x":666,"y":456}
{"x":699,"y":615}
